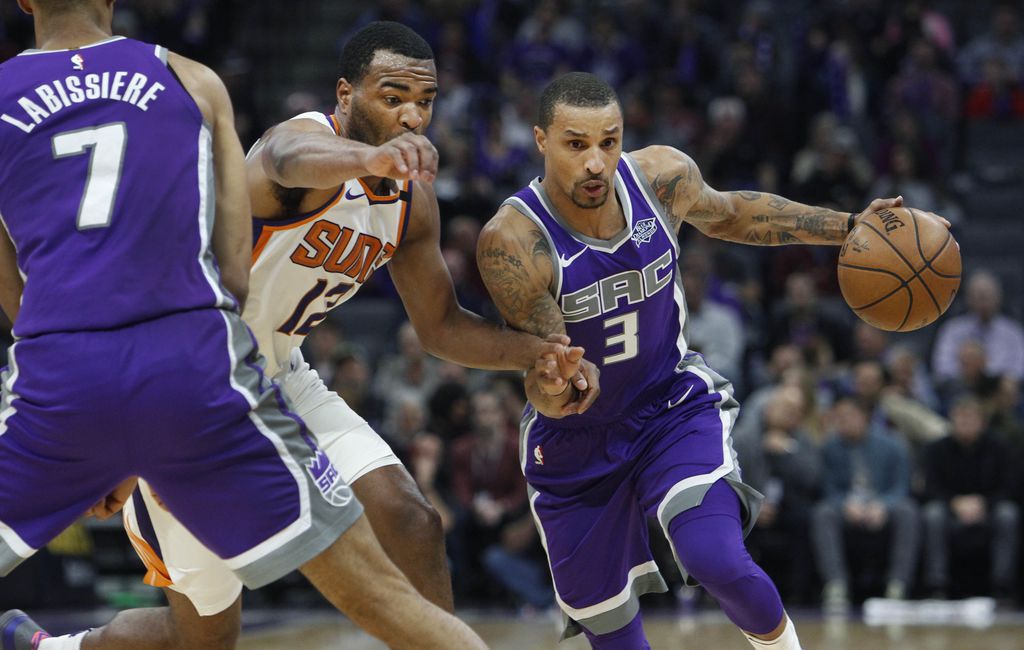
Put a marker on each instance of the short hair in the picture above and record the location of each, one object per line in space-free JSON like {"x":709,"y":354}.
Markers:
{"x":379,"y":35}
{"x":574,"y":89}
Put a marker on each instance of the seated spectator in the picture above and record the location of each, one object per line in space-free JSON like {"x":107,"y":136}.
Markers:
{"x":998,"y":96}
{"x":970,"y":481}
{"x":487,"y":485}
{"x":973,"y":377}
{"x":518,"y":563}
{"x":1003,"y":42}
{"x":352,"y":380}
{"x":802,"y":319}
{"x":785,"y":467}
{"x":410,"y":371}
{"x":914,"y":422}
{"x":908,"y":377}
{"x":713,"y":330}
{"x":1001,"y":336}
{"x":866,"y":491}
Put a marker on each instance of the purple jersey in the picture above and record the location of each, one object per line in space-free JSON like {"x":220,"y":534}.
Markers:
{"x":621,"y":299}
{"x":106,"y":188}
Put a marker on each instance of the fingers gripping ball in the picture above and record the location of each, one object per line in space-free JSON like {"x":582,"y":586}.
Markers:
{"x":899,"y":269}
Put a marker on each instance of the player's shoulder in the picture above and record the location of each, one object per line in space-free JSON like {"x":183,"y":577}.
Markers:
{"x":508,"y":224}
{"x":662,"y":160}
{"x":202,"y":83}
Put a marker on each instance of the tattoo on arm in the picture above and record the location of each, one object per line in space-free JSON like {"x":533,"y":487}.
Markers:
{"x":769,"y":220}
{"x":513,"y":284}
{"x":665,"y":190}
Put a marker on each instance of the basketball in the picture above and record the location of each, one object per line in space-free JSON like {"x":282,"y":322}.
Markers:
{"x":899,"y":269}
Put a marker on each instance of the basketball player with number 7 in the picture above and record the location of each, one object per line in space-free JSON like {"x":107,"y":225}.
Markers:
{"x":592,"y":251}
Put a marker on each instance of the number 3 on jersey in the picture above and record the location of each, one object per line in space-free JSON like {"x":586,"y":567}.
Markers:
{"x":105,"y":144}
{"x":628,"y":338}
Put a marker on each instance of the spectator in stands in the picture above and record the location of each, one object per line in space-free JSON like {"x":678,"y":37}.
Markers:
{"x":866,"y":489}
{"x":713,"y":330}
{"x":1001,"y":336}
{"x":352,"y":380}
{"x":997,"y":96}
{"x":1003,"y":42}
{"x":842,"y":178}
{"x":803,"y":320}
{"x":487,"y":485}
{"x":410,"y":371}
{"x":909,"y":377}
{"x":915,"y":423}
{"x":518,"y":563}
{"x":784,"y":465}
{"x":970,"y":482}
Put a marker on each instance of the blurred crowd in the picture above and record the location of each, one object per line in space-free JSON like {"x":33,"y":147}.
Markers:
{"x":888,"y":459}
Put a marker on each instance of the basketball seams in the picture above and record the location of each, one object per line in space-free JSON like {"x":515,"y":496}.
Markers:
{"x":902,"y":284}
{"x":910,"y":308}
{"x":884,"y":238}
{"x":920,"y":249}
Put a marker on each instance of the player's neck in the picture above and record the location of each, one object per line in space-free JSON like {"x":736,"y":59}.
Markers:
{"x":600,"y":223}
{"x":69,"y":32}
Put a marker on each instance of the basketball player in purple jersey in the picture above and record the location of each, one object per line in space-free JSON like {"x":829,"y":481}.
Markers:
{"x":120,"y":177}
{"x":592,"y":250}
{"x":381,"y":63}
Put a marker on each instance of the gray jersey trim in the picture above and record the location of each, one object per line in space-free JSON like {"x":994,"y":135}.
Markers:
{"x":32,"y":51}
{"x":520,"y":206}
{"x":620,"y":617}
{"x":652,"y":198}
{"x":606,"y":245}
{"x":327,"y":521}
{"x":161,"y":53}
{"x":9,"y":560}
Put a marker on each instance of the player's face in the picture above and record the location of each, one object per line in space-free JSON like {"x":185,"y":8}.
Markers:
{"x":396,"y":96}
{"x":581,"y":149}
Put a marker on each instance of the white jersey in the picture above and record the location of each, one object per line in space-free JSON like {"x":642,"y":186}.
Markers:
{"x":306,"y":265}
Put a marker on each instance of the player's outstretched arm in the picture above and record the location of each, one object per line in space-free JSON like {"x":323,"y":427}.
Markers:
{"x":232,"y":227}
{"x":303,"y":154}
{"x":444,"y":327}
{"x":746,"y":217}
{"x":515,"y":262}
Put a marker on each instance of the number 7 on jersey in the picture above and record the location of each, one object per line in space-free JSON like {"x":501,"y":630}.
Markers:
{"x":106,"y":145}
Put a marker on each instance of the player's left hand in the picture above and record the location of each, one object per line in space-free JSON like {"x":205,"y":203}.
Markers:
{"x":113,"y":502}
{"x":883,"y":204}
{"x":559,"y":364}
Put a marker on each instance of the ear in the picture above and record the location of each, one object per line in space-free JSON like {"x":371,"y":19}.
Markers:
{"x":541,"y":137}
{"x":343,"y":93}
{"x":25,"y":6}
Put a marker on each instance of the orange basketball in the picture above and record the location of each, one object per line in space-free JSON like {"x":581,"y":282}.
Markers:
{"x":899,"y":269}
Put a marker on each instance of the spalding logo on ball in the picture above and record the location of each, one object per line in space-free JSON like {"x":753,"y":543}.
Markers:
{"x":899,"y":269}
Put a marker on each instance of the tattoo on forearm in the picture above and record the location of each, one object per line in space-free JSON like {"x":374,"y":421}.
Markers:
{"x":780,"y":222}
{"x":511,"y":279}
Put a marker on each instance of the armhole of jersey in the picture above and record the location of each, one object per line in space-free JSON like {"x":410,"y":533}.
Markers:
{"x":556,"y":280}
{"x":403,"y":220}
{"x":652,"y":199}
{"x":161,"y":53}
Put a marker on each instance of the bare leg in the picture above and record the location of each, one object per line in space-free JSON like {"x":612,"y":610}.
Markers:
{"x":408,"y":529}
{"x":357,"y":577}
{"x":178,"y":627}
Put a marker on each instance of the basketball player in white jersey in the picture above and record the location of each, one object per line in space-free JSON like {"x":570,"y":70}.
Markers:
{"x":328,"y":212}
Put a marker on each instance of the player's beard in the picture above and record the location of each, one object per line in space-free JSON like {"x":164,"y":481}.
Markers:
{"x":361,"y":127}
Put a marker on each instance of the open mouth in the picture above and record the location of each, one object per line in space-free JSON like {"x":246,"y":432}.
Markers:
{"x":594,"y":188}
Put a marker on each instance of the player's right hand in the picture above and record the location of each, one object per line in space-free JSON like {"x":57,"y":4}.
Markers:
{"x":407,"y":157}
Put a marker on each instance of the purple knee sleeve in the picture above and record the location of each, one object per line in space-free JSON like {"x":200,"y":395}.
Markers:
{"x":709,"y":542}
{"x":630,"y":637}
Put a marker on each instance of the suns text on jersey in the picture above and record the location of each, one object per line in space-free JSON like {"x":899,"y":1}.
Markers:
{"x":50,"y":98}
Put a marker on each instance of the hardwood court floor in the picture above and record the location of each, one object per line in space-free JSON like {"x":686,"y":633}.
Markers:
{"x":706,"y":632}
